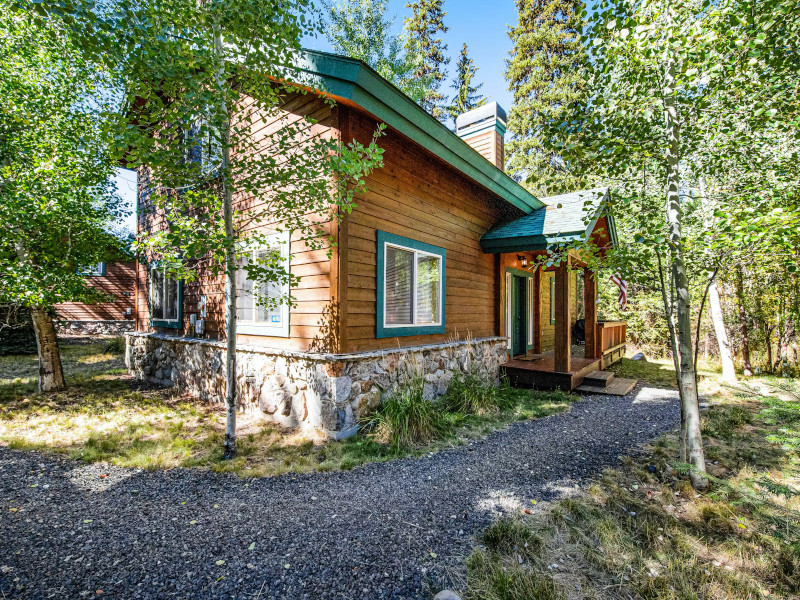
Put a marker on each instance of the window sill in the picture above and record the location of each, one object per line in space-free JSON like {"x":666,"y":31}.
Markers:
{"x":390,"y":332}
{"x":262,"y":330}
{"x":166,"y":324}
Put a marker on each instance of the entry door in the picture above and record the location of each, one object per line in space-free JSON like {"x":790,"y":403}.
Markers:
{"x":519,"y":321}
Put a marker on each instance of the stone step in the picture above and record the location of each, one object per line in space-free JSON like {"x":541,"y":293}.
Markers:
{"x":618,"y":387}
{"x":598,"y":378}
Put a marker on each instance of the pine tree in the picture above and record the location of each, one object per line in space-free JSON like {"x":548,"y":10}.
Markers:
{"x":421,"y":31}
{"x":545,"y":73}
{"x":467,"y":96}
{"x":361,"y":29}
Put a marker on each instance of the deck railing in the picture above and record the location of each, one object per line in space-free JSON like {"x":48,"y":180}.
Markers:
{"x":611,"y":336}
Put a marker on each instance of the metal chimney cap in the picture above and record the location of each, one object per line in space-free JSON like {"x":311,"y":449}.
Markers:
{"x":484,"y":113}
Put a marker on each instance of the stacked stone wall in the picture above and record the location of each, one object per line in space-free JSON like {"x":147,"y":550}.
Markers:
{"x":326,"y":392}
{"x":94,"y":327}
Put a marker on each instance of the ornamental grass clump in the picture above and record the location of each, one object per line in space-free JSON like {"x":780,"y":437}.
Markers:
{"x":406,"y":418}
{"x":472,"y":394}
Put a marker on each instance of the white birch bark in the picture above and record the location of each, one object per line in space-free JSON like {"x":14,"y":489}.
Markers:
{"x":688,"y":384}
{"x":728,"y":369}
{"x":51,"y":374}
{"x":230,"y":260}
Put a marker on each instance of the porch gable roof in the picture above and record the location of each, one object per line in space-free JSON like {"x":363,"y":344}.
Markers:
{"x":563,"y":219}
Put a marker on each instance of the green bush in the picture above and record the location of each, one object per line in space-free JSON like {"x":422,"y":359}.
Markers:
{"x":406,"y":418}
{"x":116,"y":345}
{"x":472,"y":395}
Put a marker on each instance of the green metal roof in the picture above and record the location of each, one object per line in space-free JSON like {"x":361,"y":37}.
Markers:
{"x":354,"y":80}
{"x":565,"y":218}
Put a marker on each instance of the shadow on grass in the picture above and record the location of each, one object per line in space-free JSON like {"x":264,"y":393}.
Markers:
{"x":106,"y":416}
{"x":643,"y":531}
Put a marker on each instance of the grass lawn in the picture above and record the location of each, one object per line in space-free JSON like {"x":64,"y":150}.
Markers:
{"x":106,"y":416}
{"x":641,"y":531}
{"x":659,"y":372}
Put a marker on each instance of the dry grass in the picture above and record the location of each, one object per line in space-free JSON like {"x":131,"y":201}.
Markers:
{"x":643,"y":532}
{"x":106,"y":416}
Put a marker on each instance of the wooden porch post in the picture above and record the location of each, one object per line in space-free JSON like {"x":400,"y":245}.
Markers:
{"x":563,"y":334}
{"x":537,"y":311}
{"x":590,"y":312}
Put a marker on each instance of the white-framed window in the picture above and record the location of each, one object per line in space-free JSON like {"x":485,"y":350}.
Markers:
{"x":165,"y":298}
{"x":261,"y":307}
{"x":201,"y":145}
{"x":411,"y":287}
{"x":97,"y":270}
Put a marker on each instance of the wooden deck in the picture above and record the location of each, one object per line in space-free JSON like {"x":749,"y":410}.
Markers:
{"x":538,"y":371}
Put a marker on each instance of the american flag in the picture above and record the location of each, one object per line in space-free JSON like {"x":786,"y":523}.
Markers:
{"x":618,"y":281}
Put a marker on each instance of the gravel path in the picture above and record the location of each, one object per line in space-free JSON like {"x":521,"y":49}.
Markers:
{"x":390,"y":530}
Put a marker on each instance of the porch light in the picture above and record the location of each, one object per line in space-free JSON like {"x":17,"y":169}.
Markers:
{"x":523,"y":260}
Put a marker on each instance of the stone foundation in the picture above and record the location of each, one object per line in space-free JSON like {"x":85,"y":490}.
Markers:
{"x":326,"y":392}
{"x":94,"y":327}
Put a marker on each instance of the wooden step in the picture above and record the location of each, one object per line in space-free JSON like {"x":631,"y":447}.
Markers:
{"x":618,"y":387}
{"x":598,"y":378}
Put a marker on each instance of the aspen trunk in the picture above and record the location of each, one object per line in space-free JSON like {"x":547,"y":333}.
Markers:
{"x":728,"y":370}
{"x":748,"y":369}
{"x":688,"y":384}
{"x":51,"y":374}
{"x":230,"y":263}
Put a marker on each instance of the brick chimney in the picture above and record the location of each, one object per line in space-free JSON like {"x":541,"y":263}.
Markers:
{"x":483,"y":128}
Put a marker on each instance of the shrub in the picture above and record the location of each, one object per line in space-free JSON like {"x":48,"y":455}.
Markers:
{"x":406,"y":418}
{"x":116,"y":345}
{"x":473,"y":395}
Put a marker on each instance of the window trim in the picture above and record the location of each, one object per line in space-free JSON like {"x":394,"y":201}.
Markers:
{"x":86,"y":273}
{"x":176,"y":323}
{"x":282,"y":240}
{"x":552,"y":300}
{"x":382,"y":330}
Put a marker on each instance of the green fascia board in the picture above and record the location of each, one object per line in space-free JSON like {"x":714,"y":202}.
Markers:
{"x":355,"y":81}
{"x":530,"y":243}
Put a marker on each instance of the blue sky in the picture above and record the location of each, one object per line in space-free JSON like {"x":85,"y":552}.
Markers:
{"x":483,"y":25}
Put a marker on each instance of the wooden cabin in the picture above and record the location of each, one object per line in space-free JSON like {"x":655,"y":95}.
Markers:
{"x":434,"y":266}
{"x":118,"y":280}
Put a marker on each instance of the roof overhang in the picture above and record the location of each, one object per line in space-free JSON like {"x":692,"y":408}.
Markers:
{"x":530,"y":233}
{"x":353,"y":80}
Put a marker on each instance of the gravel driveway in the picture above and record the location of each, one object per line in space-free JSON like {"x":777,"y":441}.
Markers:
{"x":391,"y":530}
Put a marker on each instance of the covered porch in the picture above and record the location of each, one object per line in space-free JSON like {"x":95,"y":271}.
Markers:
{"x":550,"y":314}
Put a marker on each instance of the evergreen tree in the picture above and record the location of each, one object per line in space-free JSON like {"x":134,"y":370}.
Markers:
{"x":467,"y":96}
{"x":421,"y":31}
{"x":546,"y":72}
{"x":361,"y":29}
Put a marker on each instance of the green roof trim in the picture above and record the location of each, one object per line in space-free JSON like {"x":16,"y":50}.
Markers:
{"x":354,"y":80}
{"x":566,"y":218}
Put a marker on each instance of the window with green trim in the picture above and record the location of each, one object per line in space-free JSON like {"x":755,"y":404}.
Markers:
{"x":165,"y":298}
{"x":411,"y":287}
{"x":552,"y":301}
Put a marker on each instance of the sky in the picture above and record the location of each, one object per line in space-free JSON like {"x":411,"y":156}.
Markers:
{"x":483,"y":25}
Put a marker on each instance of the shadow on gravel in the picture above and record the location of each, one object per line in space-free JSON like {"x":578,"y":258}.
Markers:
{"x":385,"y":530}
